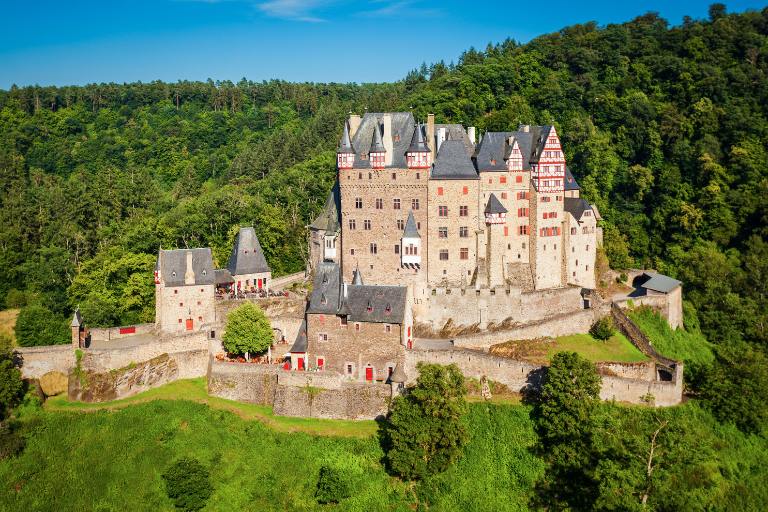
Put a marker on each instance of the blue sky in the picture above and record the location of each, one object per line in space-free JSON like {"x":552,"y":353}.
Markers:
{"x":60,"y":42}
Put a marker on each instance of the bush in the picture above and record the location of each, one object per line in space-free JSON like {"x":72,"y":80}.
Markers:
{"x":15,"y":298}
{"x":38,"y":325}
{"x":11,"y":385}
{"x":188,"y":484}
{"x":603,"y":328}
{"x":332,"y":485}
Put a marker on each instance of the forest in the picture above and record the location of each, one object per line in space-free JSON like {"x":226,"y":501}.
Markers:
{"x":665,"y":127}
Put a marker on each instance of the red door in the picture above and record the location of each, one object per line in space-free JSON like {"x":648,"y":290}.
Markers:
{"x":259,"y":284}
{"x":190,"y":324}
{"x":301,"y":363}
{"x":368,"y":373}
{"x":320,"y":362}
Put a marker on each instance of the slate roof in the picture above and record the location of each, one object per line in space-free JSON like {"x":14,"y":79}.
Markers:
{"x":378,"y":304}
{"x":495,"y":146}
{"x":539,"y":136}
{"x":300,"y":345}
{"x":326,"y":289}
{"x":402,"y":132}
{"x":456,"y":132}
{"x":398,"y":375}
{"x":660,"y":282}
{"x":411,"y":230}
{"x":247,"y":256}
{"x":345,"y":145}
{"x":570,"y":181}
{"x":494,"y":205}
{"x":453,"y":163}
{"x":419,"y":140}
{"x":175,"y":261}
{"x":223,"y":276}
{"x":328,"y":220}
{"x":357,"y":277}
{"x":377,"y":145}
{"x":576,"y":206}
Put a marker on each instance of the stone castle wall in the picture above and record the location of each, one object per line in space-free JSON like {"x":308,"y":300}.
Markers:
{"x":114,"y":333}
{"x":37,"y":361}
{"x":467,"y":306}
{"x":622,"y":386}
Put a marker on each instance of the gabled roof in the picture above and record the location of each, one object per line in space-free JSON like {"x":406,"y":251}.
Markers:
{"x":377,"y":145}
{"x":300,"y":344}
{"x":494,"y":205}
{"x":411,"y":230}
{"x":576,"y":206}
{"x":455,"y":132}
{"x":660,"y":282}
{"x":453,"y":163}
{"x":223,"y":276}
{"x":418,"y":141}
{"x":345,"y":145}
{"x":378,"y":304}
{"x":402,"y":131}
{"x":570,"y":181}
{"x":173,"y":266}
{"x":539,"y":135}
{"x":495,"y":146}
{"x":247,"y":256}
{"x":328,"y":220}
{"x":326,"y":289}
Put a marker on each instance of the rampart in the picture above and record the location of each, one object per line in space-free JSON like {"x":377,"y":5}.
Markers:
{"x":114,"y":333}
{"x":437,"y":306}
{"x":624,"y":382}
{"x":37,"y":361}
{"x":638,"y":337}
{"x":557,"y":325}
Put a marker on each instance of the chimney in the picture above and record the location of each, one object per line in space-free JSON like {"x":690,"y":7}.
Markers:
{"x":189,"y":274}
{"x":431,"y":134}
{"x":388,"y":140}
{"x":471,"y":134}
{"x":354,"y":124}
{"x":441,"y":136}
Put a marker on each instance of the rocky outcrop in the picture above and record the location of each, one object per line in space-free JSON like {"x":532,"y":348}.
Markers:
{"x":89,"y":386}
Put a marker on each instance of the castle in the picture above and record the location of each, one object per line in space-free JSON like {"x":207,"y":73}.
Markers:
{"x":424,"y":214}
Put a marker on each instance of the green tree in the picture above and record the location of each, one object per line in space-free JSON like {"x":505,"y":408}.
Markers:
{"x":425,"y":431}
{"x":11,"y":385}
{"x":603,"y":328}
{"x":248,"y":331}
{"x":188,"y":484}
{"x":38,"y":325}
{"x":735,"y":388}
{"x":562,"y":418}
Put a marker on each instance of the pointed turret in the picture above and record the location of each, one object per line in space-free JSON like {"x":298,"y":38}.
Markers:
{"x":418,"y":155}
{"x":377,"y":144}
{"x":418,"y":142}
{"x":495,"y":213}
{"x":357,"y":277}
{"x":345,"y":156}
{"x":411,"y":231}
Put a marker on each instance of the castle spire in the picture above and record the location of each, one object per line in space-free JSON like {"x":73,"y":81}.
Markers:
{"x":377,"y":144}
{"x":345,"y":146}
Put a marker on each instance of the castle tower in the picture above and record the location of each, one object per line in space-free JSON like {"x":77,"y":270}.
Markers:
{"x":345,"y":156}
{"x":495,"y":218}
{"x":77,"y":327}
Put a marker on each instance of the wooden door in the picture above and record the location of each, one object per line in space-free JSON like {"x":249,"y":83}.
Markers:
{"x":368,"y":373}
{"x":190,"y":324}
{"x":259,"y":283}
{"x":301,"y":363}
{"x":320,"y":362}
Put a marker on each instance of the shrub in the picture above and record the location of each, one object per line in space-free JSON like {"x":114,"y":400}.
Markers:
{"x":188,"y":484}
{"x":11,"y":385}
{"x":603,"y":328}
{"x":332,"y":485}
{"x":15,"y":298}
{"x":38,"y":325}
{"x":11,"y":440}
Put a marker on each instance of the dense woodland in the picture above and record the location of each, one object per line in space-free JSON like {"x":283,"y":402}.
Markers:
{"x":666,"y":129}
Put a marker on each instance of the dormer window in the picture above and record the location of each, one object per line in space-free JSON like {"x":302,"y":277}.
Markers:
{"x":323,"y":299}
{"x":173,"y":274}
{"x":388,"y":309}
{"x":205,"y":272}
{"x":370,"y":307}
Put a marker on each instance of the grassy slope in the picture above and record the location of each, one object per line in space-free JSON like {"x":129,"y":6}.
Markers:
{"x":8,"y":323}
{"x":679,"y":344}
{"x":616,"y":348}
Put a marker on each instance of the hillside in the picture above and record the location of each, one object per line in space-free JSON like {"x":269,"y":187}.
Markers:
{"x":664,"y":127}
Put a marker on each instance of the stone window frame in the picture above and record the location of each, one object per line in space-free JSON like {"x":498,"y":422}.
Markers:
{"x":400,"y":224}
{"x":357,"y":326}
{"x":352,"y":224}
{"x":464,"y":211}
{"x":443,"y":252}
{"x":358,"y":203}
{"x":322,"y":336}
{"x":464,"y":232}
{"x":367,"y":224}
{"x":379,"y":203}
{"x":442,"y":211}
{"x":388,"y":328}
{"x":396,"y":203}
{"x":349,"y":368}
{"x":374,"y":249}
{"x":464,"y":253}
{"x":414,"y":204}
{"x":442,"y":232}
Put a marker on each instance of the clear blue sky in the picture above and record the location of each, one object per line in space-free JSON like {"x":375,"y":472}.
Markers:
{"x":81,"y":41}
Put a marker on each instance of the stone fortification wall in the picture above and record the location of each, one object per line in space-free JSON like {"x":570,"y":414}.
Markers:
{"x":37,"y":361}
{"x":557,"y":325}
{"x":624,"y":384}
{"x":281,"y":282}
{"x":255,"y":383}
{"x":637,"y":336}
{"x":99,"y":360}
{"x":88,"y":386}
{"x":329,"y":397}
{"x":467,"y":306}
{"x":113,"y":333}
